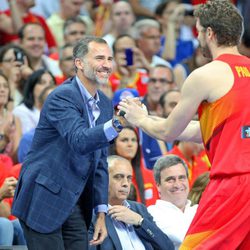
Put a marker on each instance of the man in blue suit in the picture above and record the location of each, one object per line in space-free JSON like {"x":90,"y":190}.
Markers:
{"x":65,"y":173}
{"x":129,"y":224}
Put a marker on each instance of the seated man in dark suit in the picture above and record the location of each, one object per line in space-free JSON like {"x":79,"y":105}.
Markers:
{"x":129,"y":224}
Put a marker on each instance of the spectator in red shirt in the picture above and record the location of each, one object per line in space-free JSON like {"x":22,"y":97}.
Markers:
{"x":20,"y":14}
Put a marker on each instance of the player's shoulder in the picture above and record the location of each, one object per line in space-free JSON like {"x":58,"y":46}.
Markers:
{"x":210,"y":71}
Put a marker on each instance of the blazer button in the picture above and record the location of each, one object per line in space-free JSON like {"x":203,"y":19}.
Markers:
{"x":77,"y":193}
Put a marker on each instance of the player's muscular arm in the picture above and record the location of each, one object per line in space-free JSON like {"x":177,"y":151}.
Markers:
{"x":193,"y":93}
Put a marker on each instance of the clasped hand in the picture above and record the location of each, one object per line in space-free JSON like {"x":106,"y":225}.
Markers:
{"x":135,"y":111}
{"x":124,"y":214}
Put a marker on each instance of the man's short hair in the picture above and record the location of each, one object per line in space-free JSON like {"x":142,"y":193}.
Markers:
{"x":118,"y":38}
{"x":224,"y":19}
{"x":167,"y":162}
{"x":142,"y":25}
{"x":65,"y":46}
{"x":22,"y":29}
{"x":72,"y":20}
{"x":112,"y":158}
{"x":82,"y":47}
{"x":162,"y":100}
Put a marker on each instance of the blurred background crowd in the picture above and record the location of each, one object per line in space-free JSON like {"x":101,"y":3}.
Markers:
{"x":155,"y":49}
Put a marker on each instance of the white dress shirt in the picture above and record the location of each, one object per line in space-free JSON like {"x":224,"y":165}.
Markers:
{"x":171,"y":220}
{"x":127,"y":235}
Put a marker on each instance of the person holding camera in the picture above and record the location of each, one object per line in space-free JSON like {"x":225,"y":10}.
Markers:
{"x":15,"y":64}
{"x":129,"y":63}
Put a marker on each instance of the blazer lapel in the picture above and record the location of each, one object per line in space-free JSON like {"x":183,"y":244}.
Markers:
{"x":82,"y":104}
{"x":113,"y":234}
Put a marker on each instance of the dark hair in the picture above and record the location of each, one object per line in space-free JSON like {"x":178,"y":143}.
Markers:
{"x":120,"y":37}
{"x":42,"y":97}
{"x":162,"y":6}
{"x":82,"y":47}
{"x":32,"y":81}
{"x":167,"y":161}
{"x":7,"y":47}
{"x":163,"y":66}
{"x":136,"y":163}
{"x":198,"y":188}
{"x":72,"y":20}
{"x":5,"y":77}
{"x":162,"y":100}
{"x":22,"y":29}
{"x":65,"y":46}
{"x":224,"y":19}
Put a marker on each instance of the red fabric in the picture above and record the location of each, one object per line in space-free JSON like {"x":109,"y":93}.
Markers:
{"x":222,"y":220}
{"x":60,"y":79}
{"x":15,"y":171}
{"x":6,"y":161}
{"x":150,"y":189}
{"x":29,"y":18}
{"x":139,"y":83}
{"x":3,"y":173}
{"x":54,"y":56}
{"x":194,"y":2}
{"x":195,"y":169}
{"x":223,"y":121}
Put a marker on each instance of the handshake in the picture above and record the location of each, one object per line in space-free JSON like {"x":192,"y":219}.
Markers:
{"x":127,"y":101}
{"x":131,"y":111}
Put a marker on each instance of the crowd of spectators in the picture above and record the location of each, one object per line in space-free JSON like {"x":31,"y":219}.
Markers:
{"x":155,"y":48}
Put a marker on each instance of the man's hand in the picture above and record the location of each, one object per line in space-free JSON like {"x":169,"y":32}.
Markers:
{"x":100,"y":232}
{"x":134,"y":109}
{"x":124,"y":214}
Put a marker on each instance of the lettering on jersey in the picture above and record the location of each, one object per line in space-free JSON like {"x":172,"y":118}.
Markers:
{"x":245,"y":132}
{"x":242,"y":71}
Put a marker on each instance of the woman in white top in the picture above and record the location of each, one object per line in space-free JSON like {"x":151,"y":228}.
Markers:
{"x":29,"y":110}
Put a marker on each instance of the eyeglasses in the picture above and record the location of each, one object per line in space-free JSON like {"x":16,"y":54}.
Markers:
{"x":68,"y":58}
{"x":161,"y":80}
{"x":75,"y":32}
{"x":152,"y":37}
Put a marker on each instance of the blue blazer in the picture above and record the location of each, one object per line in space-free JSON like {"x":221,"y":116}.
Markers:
{"x":151,"y":236}
{"x":67,"y":159}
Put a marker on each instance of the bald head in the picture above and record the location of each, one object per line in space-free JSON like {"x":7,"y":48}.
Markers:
{"x":120,"y":179}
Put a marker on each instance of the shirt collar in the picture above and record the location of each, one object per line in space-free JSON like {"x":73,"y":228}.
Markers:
{"x":87,"y":97}
{"x":124,"y":203}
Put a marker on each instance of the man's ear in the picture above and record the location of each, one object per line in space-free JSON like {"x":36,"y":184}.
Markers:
{"x":79,"y":64}
{"x":209,"y":32}
{"x":158,"y":188}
